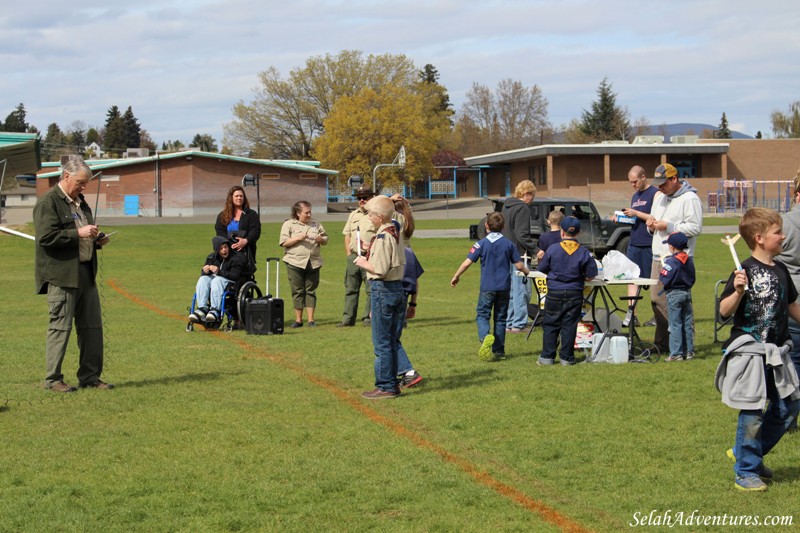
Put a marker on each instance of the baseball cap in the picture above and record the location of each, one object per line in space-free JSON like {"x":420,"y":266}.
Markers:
{"x":571,"y":226}
{"x":662,"y":173}
{"x":678,"y":240}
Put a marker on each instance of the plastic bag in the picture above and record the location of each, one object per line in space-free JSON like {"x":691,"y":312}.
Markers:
{"x":617,"y":266}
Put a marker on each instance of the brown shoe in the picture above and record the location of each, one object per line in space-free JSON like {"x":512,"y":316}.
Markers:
{"x":97,"y":385}
{"x":378,"y":394}
{"x":60,"y":386}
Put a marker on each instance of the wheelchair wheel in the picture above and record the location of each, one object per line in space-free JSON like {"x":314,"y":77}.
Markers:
{"x":190,"y":327}
{"x":248,"y":290}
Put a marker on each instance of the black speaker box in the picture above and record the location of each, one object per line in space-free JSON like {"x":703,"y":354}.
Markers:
{"x":264,"y":316}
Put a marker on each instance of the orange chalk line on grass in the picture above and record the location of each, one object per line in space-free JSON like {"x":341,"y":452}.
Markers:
{"x":484,"y":478}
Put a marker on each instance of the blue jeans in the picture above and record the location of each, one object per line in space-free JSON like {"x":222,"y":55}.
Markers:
{"x":643,"y":257}
{"x":681,"y":319}
{"x":388,"y":303}
{"x":520,"y":297}
{"x":210,"y":287}
{"x":562,"y":311}
{"x":759,"y":431}
{"x":497,"y":301}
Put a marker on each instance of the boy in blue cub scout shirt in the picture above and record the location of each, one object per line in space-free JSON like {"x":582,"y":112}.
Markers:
{"x":567,"y":266}
{"x":677,"y":275}
{"x":496,"y":253}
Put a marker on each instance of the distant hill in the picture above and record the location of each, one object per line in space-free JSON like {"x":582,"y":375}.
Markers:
{"x":689,"y":128}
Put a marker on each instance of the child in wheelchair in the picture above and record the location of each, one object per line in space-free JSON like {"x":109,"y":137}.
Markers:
{"x":221,"y":268}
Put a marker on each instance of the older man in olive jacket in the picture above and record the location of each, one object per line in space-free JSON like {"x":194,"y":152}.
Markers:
{"x":66,"y":266}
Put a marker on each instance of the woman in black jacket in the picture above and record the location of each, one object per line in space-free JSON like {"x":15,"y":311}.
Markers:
{"x":239,"y":223}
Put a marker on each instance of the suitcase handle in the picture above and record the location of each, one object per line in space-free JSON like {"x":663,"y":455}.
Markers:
{"x":277,"y":275}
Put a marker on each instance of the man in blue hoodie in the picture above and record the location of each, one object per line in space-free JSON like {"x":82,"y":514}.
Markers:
{"x":676,"y":207}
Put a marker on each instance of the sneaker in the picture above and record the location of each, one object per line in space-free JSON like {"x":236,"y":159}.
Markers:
{"x":312,"y":324}
{"x":567,"y":363}
{"x":410,"y":379}
{"x":650,"y":323}
{"x":60,"y":386}
{"x":296,"y":325}
{"x":194,"y":317}
{"x":513,"y":330}
{"x":366,"y":322}
{"x":545,"y":362}
{"x":627,"y":320}
{"x":689,"y":356}
{"x":485,"y":351}
{"x":344,"y":325}
{"x":212,"y":316}
{"x":671,"y":358}
{"x":378,"y":394}
{"x":499,"y":356}
{"x":750,"y":484}
{"x":764,"y":472}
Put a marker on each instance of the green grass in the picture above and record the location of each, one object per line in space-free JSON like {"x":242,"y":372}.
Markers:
{"x":230,"y":432}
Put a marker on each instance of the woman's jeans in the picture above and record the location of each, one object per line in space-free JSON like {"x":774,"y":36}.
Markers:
{"x":497,"y":301}
{"x":681,"y":321}
{"x":520,"y":298}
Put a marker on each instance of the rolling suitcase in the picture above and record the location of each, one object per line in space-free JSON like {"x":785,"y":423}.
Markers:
{"x":265,"y":315}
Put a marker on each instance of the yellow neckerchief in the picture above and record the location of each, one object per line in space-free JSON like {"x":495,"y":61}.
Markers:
{"x":569,"y":246}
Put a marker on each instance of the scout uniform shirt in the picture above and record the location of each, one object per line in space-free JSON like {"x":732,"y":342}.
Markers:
{"x":307,"y":250}
{"x":358,"y":220}
{"x":386,"y":254}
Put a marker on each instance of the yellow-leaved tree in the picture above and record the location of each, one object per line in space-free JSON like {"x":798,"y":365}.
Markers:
{"x":368,"y":129}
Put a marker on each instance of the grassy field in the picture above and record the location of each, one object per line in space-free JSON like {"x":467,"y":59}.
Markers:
{"x":212,"y":431}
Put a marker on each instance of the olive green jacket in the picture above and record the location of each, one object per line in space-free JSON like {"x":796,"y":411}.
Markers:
{"x":57,"y":260}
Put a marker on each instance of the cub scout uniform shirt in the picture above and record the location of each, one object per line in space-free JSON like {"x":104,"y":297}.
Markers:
{"x":386,"y":254}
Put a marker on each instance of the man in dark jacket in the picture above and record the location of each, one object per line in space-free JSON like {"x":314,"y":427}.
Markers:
{"x":517,"y":215}
{"x":66,"y":267}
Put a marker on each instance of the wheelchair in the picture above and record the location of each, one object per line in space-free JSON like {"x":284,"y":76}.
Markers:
{"x":232,"y":305}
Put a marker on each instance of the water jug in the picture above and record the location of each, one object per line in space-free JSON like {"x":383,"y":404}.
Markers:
{"x":603,"y":355}
{"x":618,"y":349}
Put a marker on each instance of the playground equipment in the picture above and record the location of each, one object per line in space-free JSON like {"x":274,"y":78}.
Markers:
{"x":738,"y":195}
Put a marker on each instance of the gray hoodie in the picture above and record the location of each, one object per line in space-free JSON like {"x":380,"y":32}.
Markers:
{"x":517,"y":215}
{"x":741,"y":377}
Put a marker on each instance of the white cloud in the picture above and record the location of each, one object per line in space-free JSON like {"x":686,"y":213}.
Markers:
{"x":182,"y":64}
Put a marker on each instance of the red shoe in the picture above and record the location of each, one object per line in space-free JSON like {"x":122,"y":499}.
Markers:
{"x":409,"y":380}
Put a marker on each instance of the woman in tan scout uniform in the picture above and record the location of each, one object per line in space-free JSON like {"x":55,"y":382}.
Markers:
{"x":302,"y":237}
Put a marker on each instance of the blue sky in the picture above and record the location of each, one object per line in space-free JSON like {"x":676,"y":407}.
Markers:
{"x":183,"y":64}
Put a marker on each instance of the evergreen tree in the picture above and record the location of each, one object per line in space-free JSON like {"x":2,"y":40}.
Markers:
{"x":133,"y":130}
{"x":92,"y":136}
{"x":54,"y":143}
{"x":204,"y":143}
{"x":606,"y":120}
{"x":15,"y":121}
{"x":115,"y":138}
{"x":429,"y":76}
{"x":723,"y":132}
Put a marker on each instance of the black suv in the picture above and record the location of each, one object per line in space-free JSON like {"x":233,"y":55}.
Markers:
{"x":598,"y":234}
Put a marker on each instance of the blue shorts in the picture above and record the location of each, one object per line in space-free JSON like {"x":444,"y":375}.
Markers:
{"x":643,"y":257}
